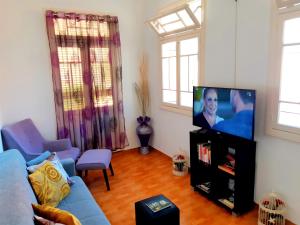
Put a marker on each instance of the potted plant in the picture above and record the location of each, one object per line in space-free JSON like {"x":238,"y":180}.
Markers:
{"x":144,"y":130}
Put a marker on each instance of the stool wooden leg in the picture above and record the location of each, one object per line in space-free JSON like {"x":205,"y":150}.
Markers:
{"x":86,"y":173}
{"x":111,"y":170}
{"x":106,"y":179}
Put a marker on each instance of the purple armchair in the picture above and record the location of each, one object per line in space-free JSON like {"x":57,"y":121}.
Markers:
{"x":25,"y":137}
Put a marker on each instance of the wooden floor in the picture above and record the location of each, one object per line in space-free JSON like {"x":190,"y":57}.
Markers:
{"x":140,"y":176}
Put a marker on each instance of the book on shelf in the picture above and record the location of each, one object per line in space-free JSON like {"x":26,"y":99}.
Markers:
{"x":158,"y":204}
{"x":226,"y":202}
{"x":226,"y":169}
{"x":230,"y":160}
{"x":204,"y":152}
{"x":205,"y":186}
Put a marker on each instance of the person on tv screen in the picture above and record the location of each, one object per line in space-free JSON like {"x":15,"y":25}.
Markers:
{"x":242,"y":121}
{"x":208,"y":117}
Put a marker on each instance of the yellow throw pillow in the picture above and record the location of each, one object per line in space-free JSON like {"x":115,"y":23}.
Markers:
{"x":54,"y":214}
{"x":48,"y":184}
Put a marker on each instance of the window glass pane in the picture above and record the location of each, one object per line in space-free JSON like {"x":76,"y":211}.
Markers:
{"x":185,"y":18}
{"x":101,"y":73}
{"x":169,"y":96}
{"x":169,"y":49}
{"x":186,"y":99}
{"x":71,"y":77}
{"x":198,"y":15}
{"x":184,"y":73}
{"x":99,"y":54}
{"x":166,"y":72}
{"x":173,"y":26}
{"x":289,"y":114}
{"x":69,"y":54}
{"x":193,"y":72}
{"x":189,"y":46}
{"x":173,"y":73}
{"x":290,"y":79}
{"x":168,"y":19}
{"x":158,"y":27}
{"x":291,"y":33}
{"x":195,"y":7}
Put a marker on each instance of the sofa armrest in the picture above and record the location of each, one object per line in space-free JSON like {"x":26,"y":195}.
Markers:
{"x":58,"y":145}
{"x":69,"y":166}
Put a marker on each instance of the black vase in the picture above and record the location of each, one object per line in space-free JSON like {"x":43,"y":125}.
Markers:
{"x":144,"y":132}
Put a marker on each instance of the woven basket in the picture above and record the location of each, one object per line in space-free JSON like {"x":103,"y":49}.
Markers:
{"x":271,"y":210}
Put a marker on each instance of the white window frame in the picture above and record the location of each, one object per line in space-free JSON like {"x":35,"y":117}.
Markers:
{"x":194,"y":31}
{"x":185,"y":28}
{"x":280,"y":14}
{"x":177,"y":107}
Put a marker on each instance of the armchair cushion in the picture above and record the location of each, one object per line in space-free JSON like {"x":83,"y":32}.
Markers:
{"x":57,"y":145}
{"x":72,"y":153}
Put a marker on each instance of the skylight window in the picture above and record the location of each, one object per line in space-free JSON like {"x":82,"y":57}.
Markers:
{"x":183,"y":18}
{"x":283,"y":4}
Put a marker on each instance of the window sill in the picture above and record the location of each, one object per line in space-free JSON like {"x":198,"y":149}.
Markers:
{"x":283,"y":134}
{"x":176,"y":109}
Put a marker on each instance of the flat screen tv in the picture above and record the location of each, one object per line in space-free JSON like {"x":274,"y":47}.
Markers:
{"x":225,"y":110}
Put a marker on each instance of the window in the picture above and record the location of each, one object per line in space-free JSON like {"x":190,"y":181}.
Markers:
{"x":284,"y":102}
{"x":182,"y":18}
{"x":71,"y":62}
{"x":181,"y":31}
{"x":183,"y":53}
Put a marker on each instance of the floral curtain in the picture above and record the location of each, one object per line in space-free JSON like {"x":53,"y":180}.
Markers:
{"x":87,"y":79}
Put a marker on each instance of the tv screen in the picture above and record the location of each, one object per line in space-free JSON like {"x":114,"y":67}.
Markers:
{"x":225,"y":110}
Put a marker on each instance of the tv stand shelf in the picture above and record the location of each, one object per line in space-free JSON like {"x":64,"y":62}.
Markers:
{"x":223,"y":169}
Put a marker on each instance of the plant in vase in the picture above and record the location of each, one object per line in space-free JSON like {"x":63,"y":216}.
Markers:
{"x":144,"y":130}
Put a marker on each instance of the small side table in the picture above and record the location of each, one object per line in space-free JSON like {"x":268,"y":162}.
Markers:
{"x":145,"y":216}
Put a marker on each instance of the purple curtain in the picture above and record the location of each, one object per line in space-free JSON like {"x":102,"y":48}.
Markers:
{"x":87,"y":79}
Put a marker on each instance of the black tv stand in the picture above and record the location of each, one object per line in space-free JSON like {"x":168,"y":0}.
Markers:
{"x":202,"y":130}
{"x":223,"y":169}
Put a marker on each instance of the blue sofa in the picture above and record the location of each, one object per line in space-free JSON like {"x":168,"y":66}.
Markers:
{"x":16,"y":194}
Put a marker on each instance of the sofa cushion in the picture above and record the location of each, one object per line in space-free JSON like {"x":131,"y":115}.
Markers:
{"x":38,"y":220}
{"x":81,"y":203}
{"x":55,"y":214}
{"x":39,"y":159}
{"x":15,"y":192}
{"x":56,"y":162}
{"x":49,"y":185}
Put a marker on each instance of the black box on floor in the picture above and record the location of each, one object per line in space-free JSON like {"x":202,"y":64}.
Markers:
{"x":166,"y":216}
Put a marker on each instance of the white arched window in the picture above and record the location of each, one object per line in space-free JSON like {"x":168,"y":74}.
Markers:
{"x":283,"y":118}
{"x":180,"y":29}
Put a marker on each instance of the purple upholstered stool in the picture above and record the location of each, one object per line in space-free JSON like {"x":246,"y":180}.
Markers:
{"x":96,"y":159}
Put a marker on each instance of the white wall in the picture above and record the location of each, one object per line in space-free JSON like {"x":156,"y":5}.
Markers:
{"x":26,"y":86}
{"x":277,"y":161}
{"x":25,"y":69}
